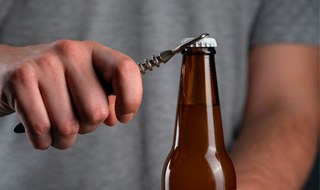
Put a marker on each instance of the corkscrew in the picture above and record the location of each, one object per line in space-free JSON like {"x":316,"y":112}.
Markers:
{"x":147,"y":64}
{"x":165,"y":56}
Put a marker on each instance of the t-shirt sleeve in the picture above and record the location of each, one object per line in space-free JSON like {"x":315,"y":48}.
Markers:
{"x":286,"y":21}
{"x":4,"y":9}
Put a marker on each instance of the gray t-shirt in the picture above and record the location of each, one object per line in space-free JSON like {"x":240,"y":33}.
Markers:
{"x":131,"y":156}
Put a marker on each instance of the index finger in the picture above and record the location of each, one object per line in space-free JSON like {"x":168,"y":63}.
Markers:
{"x":123,"y":74}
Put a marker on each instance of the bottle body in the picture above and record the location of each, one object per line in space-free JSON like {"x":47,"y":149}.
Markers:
{"x":198,"y":158}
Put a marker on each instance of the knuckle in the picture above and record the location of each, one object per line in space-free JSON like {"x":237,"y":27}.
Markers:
{"x":68,"y":129}
{"x":126,"y":65}
{"x":48,"y":63}
{"x":97,"y":115}
{"x":40,"y":129}
{"x":66,"y":47}
{"x":24,"y":73}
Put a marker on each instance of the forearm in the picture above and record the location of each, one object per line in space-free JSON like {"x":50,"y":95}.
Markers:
{"x":275,"y":151}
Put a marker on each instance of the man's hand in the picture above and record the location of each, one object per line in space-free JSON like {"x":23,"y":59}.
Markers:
{"x":58,"y":89}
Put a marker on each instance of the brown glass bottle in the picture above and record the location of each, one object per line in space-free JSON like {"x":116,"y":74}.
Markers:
{"x":198,"y":159}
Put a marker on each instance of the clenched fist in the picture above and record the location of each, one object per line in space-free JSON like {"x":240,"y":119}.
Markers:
{"x":58,"y":89}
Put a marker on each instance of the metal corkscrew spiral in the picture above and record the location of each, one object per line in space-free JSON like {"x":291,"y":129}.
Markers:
{"x":147,"y":64}
{"x":164,"y":56}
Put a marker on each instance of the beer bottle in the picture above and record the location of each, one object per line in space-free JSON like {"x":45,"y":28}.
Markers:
{"x":198,"y":159}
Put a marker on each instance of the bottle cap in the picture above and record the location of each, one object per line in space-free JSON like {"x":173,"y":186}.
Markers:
{"x":205,"y":42}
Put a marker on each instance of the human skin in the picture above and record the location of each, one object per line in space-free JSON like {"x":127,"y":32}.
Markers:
{"x":57,"y":89}
{"x":277,"y":143}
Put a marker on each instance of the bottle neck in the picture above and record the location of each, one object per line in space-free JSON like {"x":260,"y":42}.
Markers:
{"x":198,"y":84}
{"x":198,"y":124}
